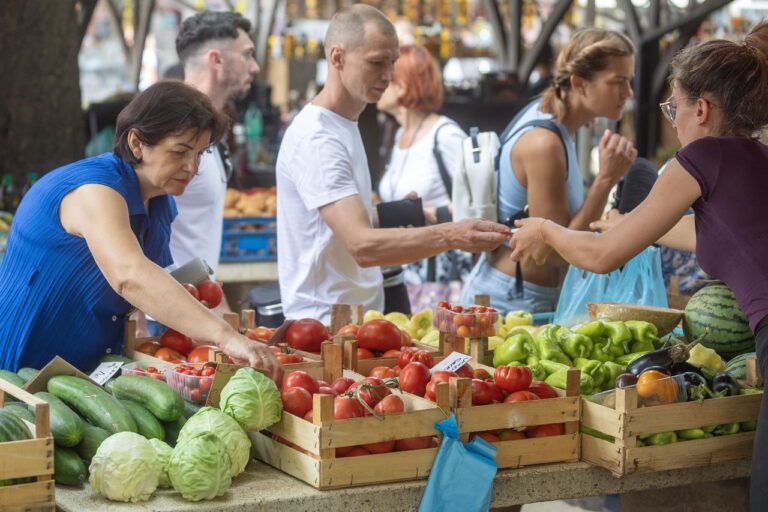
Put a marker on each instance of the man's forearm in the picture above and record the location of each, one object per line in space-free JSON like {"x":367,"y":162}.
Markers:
{"x":397,"y":246}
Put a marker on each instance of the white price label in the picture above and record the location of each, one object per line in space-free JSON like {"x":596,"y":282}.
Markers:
{"x":452,"y":362}
{"x":104,"y":372}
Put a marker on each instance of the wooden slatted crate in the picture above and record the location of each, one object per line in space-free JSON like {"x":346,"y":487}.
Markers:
{"x":625,"y":421}
{"x":30,"y":458}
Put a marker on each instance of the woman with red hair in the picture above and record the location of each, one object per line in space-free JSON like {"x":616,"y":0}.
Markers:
{"x":426,"y":150}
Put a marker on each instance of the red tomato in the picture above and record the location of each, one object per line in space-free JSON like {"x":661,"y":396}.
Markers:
{"x":465,"y":371}
{"x":481,"y":392}
{"x":308,"y":416}
{"x":166,"y":354}
{"x":327,"y":390}
{"x":489,"y":436}
{"x":390,"y":404}
{"x":542,"y":389}
{"x":510,"y":435}
{"x":381,"y":447}
{"x":194,"y":395}
{"x":259,"y":333}
{"x":520,"y":396}
{"x":174,"y":340}
{"x":496,"y":392}
{"x":200,"y":354}
{"x":151,"y":369}
{"x":345,"y":407}
{"x":414,"y":377}
{"x":382,"y":372}
{"x":379,"y":334}
{"x":208,"y":371}
{"x":413,"y":443}
{"x":391,"y":353}
{"x":341,"y":384}
{"x":349,"y":330}
{"x":444,"y":304}
{"x":322,"y":383}
{"x":481,"y":373}
{"x":512,"y":378}
{"x":192,"y":290}
{"x":421,"y":356}
{"x":210,"y":292}
{"x":301,"y":379}
{"x":405,"y":339}
{"x":205,"y":383}
{"x":551,"y":429}
{"x":306,"y":334}
{"x":296,"y":401}
{"x":283,"y":358}
{"x":442,"y":376}
{"x":370,"y":390}
{"x":430,"y":392}
{"x":355,"y":451}
{"x":364,"y":353}
{"x":148,"y":347}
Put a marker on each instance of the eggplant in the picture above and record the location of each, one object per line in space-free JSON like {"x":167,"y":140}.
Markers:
{"x":725,"y":385}
{"x":660,"y":369}
{"x":696,"y":386}
{"x":684,"y":367}
{"x":625,"y":380}
{"x":664,"y":357}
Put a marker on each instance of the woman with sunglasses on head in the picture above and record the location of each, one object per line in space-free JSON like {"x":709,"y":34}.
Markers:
{"x":719,"y":104}
{"x":539,"y":169}
{"x":90,"y":240}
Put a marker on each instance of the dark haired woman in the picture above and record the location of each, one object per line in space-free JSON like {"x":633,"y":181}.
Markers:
{"x":90,"y":240}
{"x":719,"y":104}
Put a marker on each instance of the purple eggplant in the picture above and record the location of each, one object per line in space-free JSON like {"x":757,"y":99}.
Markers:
{"x":664,"y":357}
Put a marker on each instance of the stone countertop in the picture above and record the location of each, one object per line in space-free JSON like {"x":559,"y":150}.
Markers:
{"x":261,"y":487}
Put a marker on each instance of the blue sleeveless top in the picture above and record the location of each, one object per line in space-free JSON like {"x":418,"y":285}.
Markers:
{"x":54,"y":300}
{"x":513,"y":197}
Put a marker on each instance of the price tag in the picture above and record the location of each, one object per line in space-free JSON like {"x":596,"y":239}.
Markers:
{"x":104,"y":372}
{"x":452,"y":362}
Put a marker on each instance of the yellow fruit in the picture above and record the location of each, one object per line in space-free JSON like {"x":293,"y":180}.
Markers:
{"x":399,"y":319}
{"x":432,"y":338}
{"x":372,"y":315}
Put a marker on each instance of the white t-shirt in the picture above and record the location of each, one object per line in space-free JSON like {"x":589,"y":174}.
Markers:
{"x":321,"y":160}
{"x":415,"y":168}
{"x":196,"y":231}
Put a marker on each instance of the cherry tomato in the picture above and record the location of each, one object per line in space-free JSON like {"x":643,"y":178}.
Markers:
{"x":194,"y":395}
{"x":151,"y":369}
{"x":296,"y":401}
{"x":457,"y":309}
{"x":210,"y":292}
{"x":205,"y":384}
{"x":414,"y":377}
{"x":444,"y":304}
{"x":302,"y":379}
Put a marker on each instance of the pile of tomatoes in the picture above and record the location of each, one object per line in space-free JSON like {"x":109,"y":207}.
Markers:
{"x":150,"y":371}
{"x":470,"y":321}
{"x":352,"y":399}
{"x":208,"y":292}
{"x":377,"y":338}
{"x":174,"y":347}
{"x":193,"y":382}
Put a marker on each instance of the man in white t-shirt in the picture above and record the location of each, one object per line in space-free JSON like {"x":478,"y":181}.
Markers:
{"x":328,"y":250}
{"x":218,"y":58}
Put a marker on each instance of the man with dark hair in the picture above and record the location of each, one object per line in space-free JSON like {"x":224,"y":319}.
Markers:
{"x":328,"y":251}
{"x":218,"y":58}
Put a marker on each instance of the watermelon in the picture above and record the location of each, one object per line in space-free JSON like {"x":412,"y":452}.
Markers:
{"x":737,"y":367}
{"x":713,"y":315}
{"x":12,"y":428}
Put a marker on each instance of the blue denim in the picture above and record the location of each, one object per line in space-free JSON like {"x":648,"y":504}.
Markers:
{"x":484,"y":279}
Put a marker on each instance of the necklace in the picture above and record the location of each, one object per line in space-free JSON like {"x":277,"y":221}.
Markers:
{"x":396,"y":179}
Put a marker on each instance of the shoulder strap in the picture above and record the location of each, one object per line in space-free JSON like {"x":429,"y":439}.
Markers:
{"x":547,"y":124}
{"x":444,"y":174}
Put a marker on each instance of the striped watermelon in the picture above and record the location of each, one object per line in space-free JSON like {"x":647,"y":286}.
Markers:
{"x":737,"y":367}
{"x":714,"y":314}
{"x":12,"y":428}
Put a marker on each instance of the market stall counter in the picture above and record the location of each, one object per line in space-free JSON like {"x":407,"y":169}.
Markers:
{"x":261,"y":487}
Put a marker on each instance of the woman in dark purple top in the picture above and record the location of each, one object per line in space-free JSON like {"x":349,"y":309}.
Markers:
{"x":719,"y":103}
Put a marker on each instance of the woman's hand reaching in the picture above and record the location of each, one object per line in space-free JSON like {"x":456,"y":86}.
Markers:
{"x":528,"y":243}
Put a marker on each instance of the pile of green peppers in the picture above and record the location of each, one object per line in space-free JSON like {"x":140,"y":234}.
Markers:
{"x":600,"y":349}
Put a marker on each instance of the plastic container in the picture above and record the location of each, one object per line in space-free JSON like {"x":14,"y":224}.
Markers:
{"x":192,"y":388}
{"x":249,"y":239}
{"x":138,"y":368}
{"x":471,"y":321}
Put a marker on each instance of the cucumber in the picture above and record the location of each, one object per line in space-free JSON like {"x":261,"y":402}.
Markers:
{"x":93,"y":403}
{"x":27,"y":374}
{"x":92,"y":439}
{"x":115,"y":358}
{"x":147,"y":424}
{"x":172,"y":429}
{"x":66,"y":426}
{"x":68,"y":467}
{"x":20,"y":411}
{"x":157,"y":396}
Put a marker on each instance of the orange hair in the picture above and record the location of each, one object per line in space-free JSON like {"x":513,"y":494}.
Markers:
{"x":417,"y":72}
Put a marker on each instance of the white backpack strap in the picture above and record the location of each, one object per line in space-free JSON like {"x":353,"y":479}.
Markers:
{"x":474,"y":191}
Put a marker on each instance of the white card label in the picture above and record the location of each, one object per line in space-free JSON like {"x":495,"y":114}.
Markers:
{"x":104,"y":372}
{"x":452,"y":362}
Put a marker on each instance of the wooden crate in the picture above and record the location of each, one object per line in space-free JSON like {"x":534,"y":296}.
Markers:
{"x":308,"y":450}
{"x":523,"y":452}
{"x":30,"y":458}
{"x":626,"y":421}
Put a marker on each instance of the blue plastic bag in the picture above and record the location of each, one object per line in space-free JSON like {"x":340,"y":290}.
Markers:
{"x":639,"y":282}
{"x":472,"y":465}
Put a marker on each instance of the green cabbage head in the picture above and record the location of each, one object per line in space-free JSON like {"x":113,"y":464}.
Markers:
{"x":200,"y":467}
{"x":163,"y":457}
{"x":227,"y":429}
{"x":125,"y":468}
{"x":252,"y":399}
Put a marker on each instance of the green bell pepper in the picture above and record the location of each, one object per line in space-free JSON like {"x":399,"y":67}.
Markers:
{"x":691,"y":433}
{"x":545,"y":341}
{"x":642,"y":331}
{"x":575,"y":345}
{"x":594,"y":369}
{"x":594,"y":329}
{"x":599,"y":352}
{"x":560,"y":380}
{"x":613,"y":370}
{"x":626,"y":359}
{"x":538,"y":371}
{"x":709,"y":429}
{"x":532,"y":360}
{"x":661,"y":438}
{"x":639,"y":443}
{"x":516,"y":347}
{"x":618,"y":338}
{"x":641,"y":346}
{"x":726,"y":429}
{"x":552,"y":366}
{"x":748,"y":426}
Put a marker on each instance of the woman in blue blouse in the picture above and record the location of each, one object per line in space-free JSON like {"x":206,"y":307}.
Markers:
{"x":90,"y":240}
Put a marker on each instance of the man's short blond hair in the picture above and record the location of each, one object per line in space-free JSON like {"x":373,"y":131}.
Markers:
{"x":347,"y":27}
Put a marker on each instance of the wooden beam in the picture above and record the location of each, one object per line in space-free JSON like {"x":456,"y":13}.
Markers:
{"x":529,"y":61}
